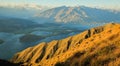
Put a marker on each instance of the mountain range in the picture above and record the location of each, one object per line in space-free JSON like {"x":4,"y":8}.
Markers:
{"x":83,"y":15}
{"x":99,"y":46}
{"x":41,"y":14}
{"x":25,"y":26}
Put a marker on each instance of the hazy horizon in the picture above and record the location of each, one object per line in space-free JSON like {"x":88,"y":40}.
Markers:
{"x":111,"y":4}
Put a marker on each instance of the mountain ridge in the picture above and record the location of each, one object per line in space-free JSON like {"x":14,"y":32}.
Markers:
{"x":58,"y":51}
{"x":81,"y":14}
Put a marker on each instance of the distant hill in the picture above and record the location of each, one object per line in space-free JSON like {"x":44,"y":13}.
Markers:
{"x":82,"y":15}
{"x":15,"y":24}
{"x":94,"y":47}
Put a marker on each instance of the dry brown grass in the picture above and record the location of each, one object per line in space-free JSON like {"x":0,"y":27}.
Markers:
{"x":95,"y":47}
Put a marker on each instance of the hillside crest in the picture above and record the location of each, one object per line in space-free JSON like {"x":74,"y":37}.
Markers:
{"x":86,"y":45}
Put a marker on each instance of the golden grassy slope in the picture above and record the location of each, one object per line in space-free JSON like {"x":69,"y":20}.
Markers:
{"x":95,"y":47}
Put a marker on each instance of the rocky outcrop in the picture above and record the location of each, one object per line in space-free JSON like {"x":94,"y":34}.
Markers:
{"x":59,"y":51}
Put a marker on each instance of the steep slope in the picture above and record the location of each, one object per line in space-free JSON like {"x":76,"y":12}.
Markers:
{"x":79,"y":14}
{"x":98,"y":45}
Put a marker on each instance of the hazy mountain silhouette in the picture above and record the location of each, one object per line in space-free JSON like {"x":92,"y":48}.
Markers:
{"x":15,"y":24}
{"x":82,"y":15}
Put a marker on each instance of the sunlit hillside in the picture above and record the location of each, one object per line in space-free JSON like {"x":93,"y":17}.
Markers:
{"x":98,"y":46}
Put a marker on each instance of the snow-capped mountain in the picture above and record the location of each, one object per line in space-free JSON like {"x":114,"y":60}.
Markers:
{"x":79,"y":14}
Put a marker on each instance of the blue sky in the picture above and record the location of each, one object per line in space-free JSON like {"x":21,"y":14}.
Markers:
{"x":54,"y":3}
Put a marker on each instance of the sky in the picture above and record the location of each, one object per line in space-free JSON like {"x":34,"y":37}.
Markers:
{"x":56,"y":3}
